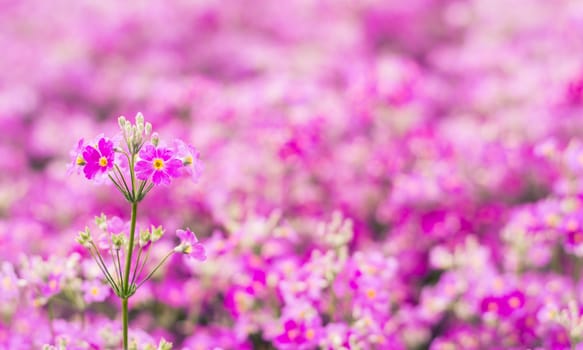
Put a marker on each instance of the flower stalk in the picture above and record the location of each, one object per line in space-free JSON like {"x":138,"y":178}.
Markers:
{"x":148,"y":165}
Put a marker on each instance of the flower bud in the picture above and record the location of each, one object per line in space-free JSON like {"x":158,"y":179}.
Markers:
{"x":122,"y":122}
{"x":140,"y":121}
{"x":144,"y":237}
{"x":148,"y":129}
{"x":155,"y":139}
{"x":118,"y":241}
{"x":84,"y":238}
{"x":101,"y":222}
{"x":157,"y":233}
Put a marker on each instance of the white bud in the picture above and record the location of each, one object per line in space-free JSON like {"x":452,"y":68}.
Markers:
{"x":122,"y":122}
{"x":155,"y":139}
{"x":140,"y":120}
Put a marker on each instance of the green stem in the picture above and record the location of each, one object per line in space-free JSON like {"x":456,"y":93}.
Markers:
{"x":130,"y":249}
{"x":124,"y":311}
{"x":126,"y":282}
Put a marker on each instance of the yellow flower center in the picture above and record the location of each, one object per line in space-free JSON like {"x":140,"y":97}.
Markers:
{"x":371,"y":293}
{"x":188,"y":160}
{"x":158,"y":164}
{"x":310,"y":334}
{"x":80,"y":160}
{"x":103,"y":162}
{"x":94,"y":291}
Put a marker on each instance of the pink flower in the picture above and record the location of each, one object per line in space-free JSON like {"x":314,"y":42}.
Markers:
{"x":76,"y":158}
{"x":189,"y":245}
{"x":190,"y":158}
{"x":158,"y":164}
{"x":52,"y":286}
{"x":95,"y":291}
{"x":97,"y":160}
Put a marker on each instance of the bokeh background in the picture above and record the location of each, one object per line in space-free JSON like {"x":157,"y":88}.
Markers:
{"x":378,"y":174}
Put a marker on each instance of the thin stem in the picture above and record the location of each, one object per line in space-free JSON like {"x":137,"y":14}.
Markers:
{"x":118,"y":267}
{"x":136,"y":265}
{"x":117,"y":185}
{"x":141,"y":189}
{"x":124,"y":312}
{"x":97,"y":257}
{"x":122,"y":178}
{"x":155,"y":269}
{"x":143,"y":263}
{"x":144,"y":193}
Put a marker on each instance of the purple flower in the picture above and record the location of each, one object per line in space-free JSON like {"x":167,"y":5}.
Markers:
{"x":97,"y":160}
{"x":189,"y":245}
{"x":157,"y":163}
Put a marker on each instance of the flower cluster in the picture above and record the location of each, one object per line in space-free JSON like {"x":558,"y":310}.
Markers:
{"x":378,"y":174}
{"x":155,"y":164}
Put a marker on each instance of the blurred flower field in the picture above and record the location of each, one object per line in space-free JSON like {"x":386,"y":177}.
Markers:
{"x":373,"y":174}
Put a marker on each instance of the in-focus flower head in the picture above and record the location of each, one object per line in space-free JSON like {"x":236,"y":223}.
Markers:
{"x":158,"y":164}
{"x":99,"y":159}
{"x":189,"y":245}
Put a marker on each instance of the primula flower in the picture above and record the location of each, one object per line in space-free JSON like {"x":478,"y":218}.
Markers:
{"x":189,"y":245}
{"x":190,"y":158}
{"x":52,"y":286}
{"x":95,"y":291}
{"x":158,"y":164}
{"x":8,"y":282}
{"x":97,"y":160}
{"x":77,"y":160}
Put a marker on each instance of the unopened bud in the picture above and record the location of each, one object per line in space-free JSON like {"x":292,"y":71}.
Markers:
{"x":118,"y":241}
{"x":144,"y":237}
{"x":157,"y":233}
{"x":101,"y":222}
{"x":140,"y":121}
{"x":84,"y":238}
{"x":122,"y":121}
{"x":155,"y":139}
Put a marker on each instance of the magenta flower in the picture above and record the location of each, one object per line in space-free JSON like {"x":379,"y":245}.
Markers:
{"x":97,"y":160}
{"x":189,"y":245}
{"x":158,"y":164}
